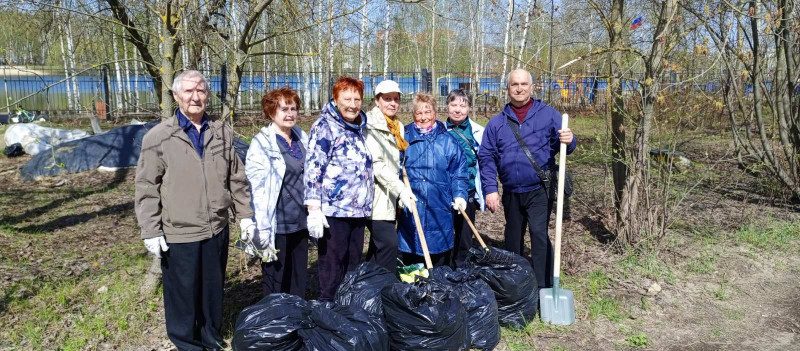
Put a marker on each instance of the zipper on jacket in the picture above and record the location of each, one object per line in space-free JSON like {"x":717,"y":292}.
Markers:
{"x":205,"y":189}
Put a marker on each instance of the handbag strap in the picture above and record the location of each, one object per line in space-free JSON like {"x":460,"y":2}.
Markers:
{"x":471,"y":146}
{"x":515,"y":129}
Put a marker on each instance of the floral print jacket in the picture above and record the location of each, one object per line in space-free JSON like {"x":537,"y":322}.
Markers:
{"x":338,"y":171}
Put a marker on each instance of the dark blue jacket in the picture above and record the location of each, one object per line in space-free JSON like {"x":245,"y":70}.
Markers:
{"x":437,"y":171}
{"x":500,"y":154}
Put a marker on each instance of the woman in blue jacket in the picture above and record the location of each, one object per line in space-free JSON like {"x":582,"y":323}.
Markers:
{"x":437,"y":171}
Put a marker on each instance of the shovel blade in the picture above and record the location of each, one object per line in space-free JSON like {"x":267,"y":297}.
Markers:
{"x":557,"y":306}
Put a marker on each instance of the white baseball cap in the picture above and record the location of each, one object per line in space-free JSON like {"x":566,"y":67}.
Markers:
{"x":387,"y":86}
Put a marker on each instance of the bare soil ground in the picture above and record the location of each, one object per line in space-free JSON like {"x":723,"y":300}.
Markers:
{"x":725,"y":277}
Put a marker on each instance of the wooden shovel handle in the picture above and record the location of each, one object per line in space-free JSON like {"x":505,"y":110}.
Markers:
{"x":562,"y":167}
{"x":472,"y":226}
{"x":422,"y":242}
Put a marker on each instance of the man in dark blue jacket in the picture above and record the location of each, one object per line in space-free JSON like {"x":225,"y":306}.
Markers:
{"x":525,"y":199}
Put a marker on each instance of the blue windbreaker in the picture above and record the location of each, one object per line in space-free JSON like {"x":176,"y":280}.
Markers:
{"x":437,"y":171}
{"x":500,"y":155}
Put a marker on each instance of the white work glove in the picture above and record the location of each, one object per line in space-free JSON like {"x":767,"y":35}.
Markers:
{"x":316,"y":223}
{"x":266,"y":239}
{"x":156,"y":245}
{"x":247,"y":230}
{"x":407,"y":198}
{"x":459,"y":203}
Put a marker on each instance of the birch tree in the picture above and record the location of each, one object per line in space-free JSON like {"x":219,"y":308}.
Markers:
{"x":117,"y":72}
{"x":363,"y":38}
{"x":67,"y":75}
{"x":509,"y":19}
{"x":528,"y":10}
{"x":386,"y":23}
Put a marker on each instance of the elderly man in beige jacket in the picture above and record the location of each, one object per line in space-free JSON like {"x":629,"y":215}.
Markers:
{"x":187,"y":178}
{"x":385,"y":143}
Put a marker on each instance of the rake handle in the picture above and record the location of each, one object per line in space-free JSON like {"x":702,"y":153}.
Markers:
{"x":422,"y":241}
{"x":562,"y":170}
{"x":472,"y":226}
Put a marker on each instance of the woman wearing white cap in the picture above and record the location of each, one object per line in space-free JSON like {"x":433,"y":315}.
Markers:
{"x":385,"y":143}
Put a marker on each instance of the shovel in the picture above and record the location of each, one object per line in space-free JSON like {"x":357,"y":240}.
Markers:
{"x":557,"y":306}
{"x":472,"y":226}
{"x":422,"y":242}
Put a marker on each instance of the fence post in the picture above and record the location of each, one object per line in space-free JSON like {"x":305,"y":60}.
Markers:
{"x":223,"y":88}
{"x":5,"y":87}
{"x":106,"y":92}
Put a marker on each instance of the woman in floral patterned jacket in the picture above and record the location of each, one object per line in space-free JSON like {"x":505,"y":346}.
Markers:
{"x":339,"y":184}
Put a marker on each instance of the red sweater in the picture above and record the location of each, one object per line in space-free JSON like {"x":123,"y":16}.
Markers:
{"x":522,"y":111}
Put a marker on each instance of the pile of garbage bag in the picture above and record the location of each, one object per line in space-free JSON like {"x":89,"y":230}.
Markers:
{"x":362,"y":287}
{"x":426,"y":315}
{"x":479,"y":302}
{"x":512,"y":279}
{"x":284,"y":322}
{"x":443,"y":309}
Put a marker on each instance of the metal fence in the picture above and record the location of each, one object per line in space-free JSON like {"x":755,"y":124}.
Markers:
{"x":47,"y":88}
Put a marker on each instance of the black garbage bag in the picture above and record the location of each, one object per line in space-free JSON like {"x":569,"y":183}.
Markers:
{"x":362,"y":287}
{"x":479,"y":303}
{"x":343,"y":328}
{"x":272,"y":324}
{"x":424,"y":316}
{"x":14,"y":150}
{"x":513,"y":281}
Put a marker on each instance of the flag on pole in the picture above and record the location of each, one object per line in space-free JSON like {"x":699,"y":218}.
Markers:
{"x":636,"y":23}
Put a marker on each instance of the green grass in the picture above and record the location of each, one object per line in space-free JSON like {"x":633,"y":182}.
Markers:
{"x":522,"y":339}
{"x":594,"y":290}
{"x":735,"y":315}
{"x":73,"y":314}
{"x":722,"y":292}
{"x":606,"y":307}
{"x":646,"y":265}
{"x":769,"y":235}
{"x":704,"y":263}
{"x":637,"y":340}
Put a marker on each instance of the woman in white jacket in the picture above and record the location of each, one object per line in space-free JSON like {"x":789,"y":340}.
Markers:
{"x":385,"y":143}
{"x":274,"y":167}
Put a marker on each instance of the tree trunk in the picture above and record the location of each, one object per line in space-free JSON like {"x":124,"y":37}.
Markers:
{"x":136,"y":81}
{"x":432,"y":51}
{"x":127,"y":83}
{"x":329,"y":71}
{"x":118,"y":90}
{"x":363,"y":37}
{"x":251,"y":85}
{"x":522,"y":41}
{"x":70,"y":99}
{"x":306,"y":81}
{"x":386,"y":20}
{"x":616,"y":107}
{"x":637,"y":219}
{"x":168,"y":50}
{"x":76,"y":93}
{"x":509,"y":19}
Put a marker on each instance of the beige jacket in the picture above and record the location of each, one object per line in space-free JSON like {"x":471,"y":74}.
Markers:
{"x":182,"y":196}
{"x":385,"y":165}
